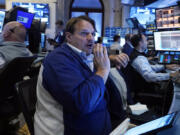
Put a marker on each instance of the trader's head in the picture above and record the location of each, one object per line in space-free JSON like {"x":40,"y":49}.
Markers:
{"x":59,"y":26}
{"x":139,"y":42}
{"x":14,"y":31}
{"x":128,"y":37}
{"x":117,"y":38}
{"x":80,"y":32}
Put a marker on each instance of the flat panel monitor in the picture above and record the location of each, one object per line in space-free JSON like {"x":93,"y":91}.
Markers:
{"x":43,"y":40}
{"x":143,"y":14}
{"x":25,"y":18}
{"x":2,"y":16}
{"x":153,"y":127}
{"x":130,"y":22}
{"x":122,"y":41}
{"x":167,"y":40}
{"x":41,"y":10}
{"x":133,"y":22}
{"x":107,"y":41}
{"x":168,"y":17}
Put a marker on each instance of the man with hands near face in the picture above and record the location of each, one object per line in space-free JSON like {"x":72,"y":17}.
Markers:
{"x":120,"y":60}
{"x":71,"y":93}
{"x":101,"y":61}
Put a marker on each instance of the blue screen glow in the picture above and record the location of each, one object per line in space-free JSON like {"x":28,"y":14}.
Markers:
{"x":41,"y":10}
{"x":2,"y":16}
{"x":25,"y":18}
{"x":143,"y":14}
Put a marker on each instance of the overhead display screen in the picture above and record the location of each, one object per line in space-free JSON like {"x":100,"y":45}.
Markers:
{"x":41,"y":10}
{"x":168,"y":17}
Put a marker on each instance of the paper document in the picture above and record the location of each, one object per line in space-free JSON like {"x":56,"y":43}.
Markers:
{"x":138,"y":108}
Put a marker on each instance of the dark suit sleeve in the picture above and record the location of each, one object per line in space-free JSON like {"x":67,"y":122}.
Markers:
{"x":72,"y":85}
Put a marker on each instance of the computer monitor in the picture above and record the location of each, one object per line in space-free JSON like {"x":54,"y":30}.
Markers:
{"x":43,"y":40}
{"x":154,"y":126}
{"x":167,"y":40}
{"x":41,"y":10}
{"x":2,"y":16}
{"x":168,"y":17}
{"x":107,"y":41}
{"x":143,"y":14}
{"x":130,"y":22}
{"x":25,"y":18}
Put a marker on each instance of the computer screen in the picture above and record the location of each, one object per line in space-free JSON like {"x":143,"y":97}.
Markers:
{"x":2,"y":16}
{"x":167,"y":40}
{"x":168,"y":17}
{"x":130,"y":22}
{"x":122,"y":41}
{"x":107,"y":41}
{"x":43,"y":40}
{"x":25,"y":18}
{"x":153,"y":126}
{"x":143,"y":14}
{"x":41,"y":10}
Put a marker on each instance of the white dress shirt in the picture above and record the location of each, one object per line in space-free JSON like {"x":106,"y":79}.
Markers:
{"x":120,"y":84}
{"x":116,"y":46}
{"x":88,"y":59}
{"x":148,"y":71}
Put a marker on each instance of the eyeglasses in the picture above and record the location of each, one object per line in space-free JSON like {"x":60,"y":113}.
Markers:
{"x":13,"y":29}
{"x":85,"y":33}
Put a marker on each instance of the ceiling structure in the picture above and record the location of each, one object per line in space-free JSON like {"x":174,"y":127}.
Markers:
{"x":163,"y":3}
{"x":151,"y":3}
{"x":147,"y":3}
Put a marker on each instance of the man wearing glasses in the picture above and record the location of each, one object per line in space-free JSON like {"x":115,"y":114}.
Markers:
{"x":71,"y":94}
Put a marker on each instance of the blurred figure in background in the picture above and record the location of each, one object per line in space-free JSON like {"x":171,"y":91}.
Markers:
{"x":115,"y":48}
{"x":100,"y":40}
{"x":151,"y":73}
{"x":128,"y":47}
{"x":59,"y":36}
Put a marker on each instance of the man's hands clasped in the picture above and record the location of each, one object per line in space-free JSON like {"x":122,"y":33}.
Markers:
{"x":101,"y":61}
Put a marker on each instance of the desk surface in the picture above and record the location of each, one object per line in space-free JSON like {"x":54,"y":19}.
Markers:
{"x":175,"y":106}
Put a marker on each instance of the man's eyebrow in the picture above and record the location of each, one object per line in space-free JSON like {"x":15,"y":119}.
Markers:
{"x":85,"y":30}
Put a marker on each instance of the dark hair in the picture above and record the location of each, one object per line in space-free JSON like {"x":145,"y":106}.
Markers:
{"x":136,"y":39}
{"x":71,"y":23}
{"x":100,"y":40}
{"x":116,"y":38}
{"x":59,"y":22}
{"x":128,"y":37}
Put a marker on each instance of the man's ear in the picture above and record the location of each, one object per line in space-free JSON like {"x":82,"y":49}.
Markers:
{"x":140,"y":43}
{"x":68,"y":36}
{"x":6,"y":34}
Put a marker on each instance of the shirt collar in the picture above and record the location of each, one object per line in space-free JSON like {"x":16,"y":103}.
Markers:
{"x":78,"y":51}
{"x":130,"y":45}
{"x":81,"y":53}
{"x":13,"y":43}
{"x":88,"y":60}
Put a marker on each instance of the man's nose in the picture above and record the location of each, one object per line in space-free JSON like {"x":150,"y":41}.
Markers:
{"x":90,"y":36}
